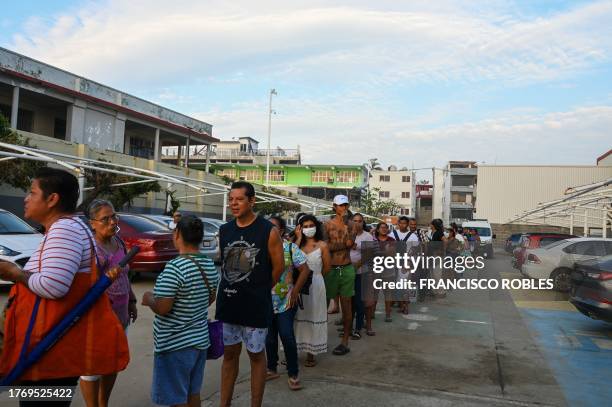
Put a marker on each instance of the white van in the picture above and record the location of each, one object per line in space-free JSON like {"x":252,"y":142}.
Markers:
{"x":483,"y":227}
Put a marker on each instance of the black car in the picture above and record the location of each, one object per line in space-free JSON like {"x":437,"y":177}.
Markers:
{"x":512,"y":242}
{"x":592,"y":288}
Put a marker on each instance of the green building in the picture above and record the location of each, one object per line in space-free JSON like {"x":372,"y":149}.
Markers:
{"x":317,"y":181}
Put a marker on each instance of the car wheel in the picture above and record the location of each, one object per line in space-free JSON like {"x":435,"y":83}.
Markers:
{"x":562,"y":280}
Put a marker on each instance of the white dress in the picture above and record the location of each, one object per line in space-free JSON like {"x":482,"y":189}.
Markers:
{"x":311,"y":322}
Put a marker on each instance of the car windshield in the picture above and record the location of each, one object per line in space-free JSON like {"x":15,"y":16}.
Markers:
{"x":12,"y":225}
{"x":141,"y":224}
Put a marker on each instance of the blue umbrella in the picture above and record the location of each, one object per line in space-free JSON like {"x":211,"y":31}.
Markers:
{"x":59,"y":330}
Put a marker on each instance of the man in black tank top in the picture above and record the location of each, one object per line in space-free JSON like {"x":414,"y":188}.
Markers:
{"x":252,"y":262}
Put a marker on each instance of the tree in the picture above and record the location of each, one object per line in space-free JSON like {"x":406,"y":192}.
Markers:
{"x":423,"y":182}
{"x":102,"y":184}
{"x":372,"y":204}
{"x":373,"y":164}
{"x":18,"y":172}
{"x":275,"y":207}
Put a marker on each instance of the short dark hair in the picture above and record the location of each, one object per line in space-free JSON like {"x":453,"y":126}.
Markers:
{"x":401,"y":218}
{"x":191,"y":229}
{"x":249,"y":190}
{"x":281,"y":222}
{"x":62,"y":183}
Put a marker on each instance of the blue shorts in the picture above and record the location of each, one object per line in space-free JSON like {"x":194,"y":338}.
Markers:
{"x":177,"y":375}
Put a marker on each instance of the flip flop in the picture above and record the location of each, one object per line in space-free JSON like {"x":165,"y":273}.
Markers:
{"x":270,"y":375}
{"x":341,"y":350}
{"x":310,"y":363}
{"x":355,"y":336}
{"x":294,"y":383}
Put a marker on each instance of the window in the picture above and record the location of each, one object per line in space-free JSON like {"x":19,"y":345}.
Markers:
{"x":140,"y":147}
{"x":383,"y":194}
{"x":322,"y":176}
{"x":347,"y":176}
{"x":404,"y":211}
{"x":250,"y":175}
{"x":405,"y":178}
{"x":277,"y":175}
{"x":227,"y":172}
{"x":59,"y":128}
{"x":25,"y":120}
{"x":405,"y":194}
{"x":385,"y":178}
{"x":582,"y":248}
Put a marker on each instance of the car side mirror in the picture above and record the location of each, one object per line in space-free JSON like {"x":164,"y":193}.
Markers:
{"x":494,"y":236}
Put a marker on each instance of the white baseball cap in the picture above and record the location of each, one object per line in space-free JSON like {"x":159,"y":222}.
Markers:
{"x":341,"y":200}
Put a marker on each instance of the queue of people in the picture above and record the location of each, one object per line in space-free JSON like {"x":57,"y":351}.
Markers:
{"x":270,"y":286}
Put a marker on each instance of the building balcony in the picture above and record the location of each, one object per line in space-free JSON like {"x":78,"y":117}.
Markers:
{"x":461,"y":188}
{"x":463,"y":171}
{"x":461,"y":205}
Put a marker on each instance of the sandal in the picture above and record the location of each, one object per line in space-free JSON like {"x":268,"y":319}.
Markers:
{"x":271,"y":375}
{"x":310,"y":363}
{"x":370,"y":333}
{"x":341,"y":350}
{"x":294,"y":383}
{"x":356,"y":335}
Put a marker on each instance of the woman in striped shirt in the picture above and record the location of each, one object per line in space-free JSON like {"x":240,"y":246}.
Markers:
{"x":104,"y":222}
{"x":180,"y":300}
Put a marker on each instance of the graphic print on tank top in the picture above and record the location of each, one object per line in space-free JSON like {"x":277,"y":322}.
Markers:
{"x":239,"y":260}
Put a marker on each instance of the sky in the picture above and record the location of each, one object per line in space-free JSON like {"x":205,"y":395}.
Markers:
{"x":414,"y":84}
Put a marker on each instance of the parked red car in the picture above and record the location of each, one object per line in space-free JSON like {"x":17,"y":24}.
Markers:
{"x":534,"y":241}
{"x":155,"y":241}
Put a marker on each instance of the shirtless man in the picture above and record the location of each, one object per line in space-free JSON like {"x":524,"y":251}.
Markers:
{"x":340,"y":280}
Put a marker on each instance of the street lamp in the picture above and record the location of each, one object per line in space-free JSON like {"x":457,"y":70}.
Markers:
{"x":272,"y":92}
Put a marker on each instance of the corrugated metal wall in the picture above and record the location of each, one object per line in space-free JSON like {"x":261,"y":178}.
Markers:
{"x":506,"y":191}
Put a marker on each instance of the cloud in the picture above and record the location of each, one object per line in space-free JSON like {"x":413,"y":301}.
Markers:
{"x":347,"y":71}
{"x":351,"y":42}
{"x":519,"y":137}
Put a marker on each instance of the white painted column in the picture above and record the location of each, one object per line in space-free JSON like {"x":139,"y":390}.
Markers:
{"x":572,"y":223}
{"x":585,"y":225}
{"x":604,"y":226}
{"x":75,"y":121}
{"x":15,"y":107}
{"x":207,"y":158}
{"x":225,"y":207}
{"x":156,"y":154}
{"x":187,"y":151}
{"x":119,"y":133}
{"x":168,"y":198}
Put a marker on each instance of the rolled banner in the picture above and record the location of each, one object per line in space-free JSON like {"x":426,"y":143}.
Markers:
{"x":71,"y":318}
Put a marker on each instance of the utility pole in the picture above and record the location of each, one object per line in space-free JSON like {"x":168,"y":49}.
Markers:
{"x":272,"y":92}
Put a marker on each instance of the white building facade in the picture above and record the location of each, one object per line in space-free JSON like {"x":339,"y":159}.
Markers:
{"x":506,"y":191}
{"x":397,"y":185}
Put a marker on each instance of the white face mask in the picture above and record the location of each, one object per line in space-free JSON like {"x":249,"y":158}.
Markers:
{"x":309,"y":232}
